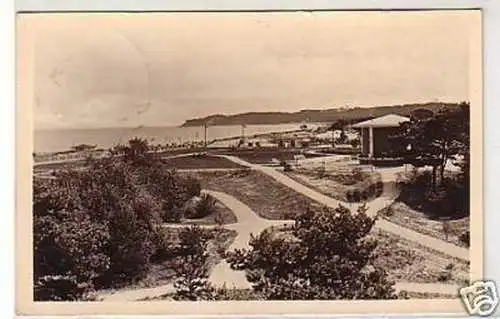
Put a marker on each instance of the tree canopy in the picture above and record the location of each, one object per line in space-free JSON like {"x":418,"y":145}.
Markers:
{"x":436,"y":138}
{"x":97,"y":226}
{"x":329,"y":256}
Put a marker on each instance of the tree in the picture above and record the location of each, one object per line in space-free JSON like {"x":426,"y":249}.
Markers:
{"x":136,"y":152}
{"x":355,"y":143}
{"x":420,"y":114}
{"x":98,"y":226}
{"x":330,"y":257}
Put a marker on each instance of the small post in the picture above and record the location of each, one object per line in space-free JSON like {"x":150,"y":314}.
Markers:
{"x":205,"y":135}
{"x":371,"y":142}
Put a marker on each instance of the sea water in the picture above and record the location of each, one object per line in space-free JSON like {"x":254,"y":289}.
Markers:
{"x":64,"y":139}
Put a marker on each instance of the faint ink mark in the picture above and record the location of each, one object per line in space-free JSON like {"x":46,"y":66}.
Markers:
{"x":143,"y":107}
{"x":54,"y":76}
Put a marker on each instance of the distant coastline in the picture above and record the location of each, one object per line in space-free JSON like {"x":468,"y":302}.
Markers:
{"x":312,"y":116}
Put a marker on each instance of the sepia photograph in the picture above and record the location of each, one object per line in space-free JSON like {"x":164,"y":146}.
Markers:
{"x":248,"y":162}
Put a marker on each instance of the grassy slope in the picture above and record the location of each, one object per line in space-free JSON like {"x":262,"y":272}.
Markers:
{"x":263,"y":194}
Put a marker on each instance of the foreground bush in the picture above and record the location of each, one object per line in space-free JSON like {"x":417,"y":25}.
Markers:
{"x":449,"y":199}
{"x":192,"y":283}
{"x":369,"y":188}
{"x":465,"y":238}
{"x":330,"y":258}
{"x":98,"y":227}
{"x":203,"y":207}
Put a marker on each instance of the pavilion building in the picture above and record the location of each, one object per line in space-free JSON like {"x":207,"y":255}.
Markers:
{"x":376,"y":144}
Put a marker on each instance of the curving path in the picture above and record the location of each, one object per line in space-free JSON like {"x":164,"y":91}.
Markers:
{"x":388,"y":196}
{"x":248,"y":222}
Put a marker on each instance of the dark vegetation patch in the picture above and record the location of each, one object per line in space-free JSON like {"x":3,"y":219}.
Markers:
{"x":352,"y":186}
{"x":200,"y":161}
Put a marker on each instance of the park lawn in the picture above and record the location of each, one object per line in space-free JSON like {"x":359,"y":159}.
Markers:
{"x":200,"y":162}
{"x":58,"y":165}
{"x":406,"y":261}
{"x":399,"y":213}
{"x":267,"y":197}
{"x":264,"y":155}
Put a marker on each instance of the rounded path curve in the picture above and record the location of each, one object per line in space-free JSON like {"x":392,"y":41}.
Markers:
{"x":248,"y":222}
{"x":373,"y":207}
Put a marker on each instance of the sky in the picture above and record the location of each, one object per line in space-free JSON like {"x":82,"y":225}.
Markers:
{"x":109,"y":70}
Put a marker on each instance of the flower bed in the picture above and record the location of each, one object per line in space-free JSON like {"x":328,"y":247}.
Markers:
{"x":351,"y":185}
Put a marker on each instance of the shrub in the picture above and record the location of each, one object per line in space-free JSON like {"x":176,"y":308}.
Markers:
{"x":98,"y":226}
{"x":193,"y":187}
{"x":444,"y":276}
{"x":356,"y":195}
{"x":331,"y":259}
{"x":200,"y":207}
{"x":224,"y":293}
{"x":192,"y":269}
{"x":448,"y":199}
{"x":446,"y":227}
{"x":70,"y":254}
{"x":349,"y":196}
{"x":58,"y":288}
{"x":379,"y":188}
{"x":389,"y":211}
{"x":206,"y":206}
{"x":403,"y":294}
{"x":193,"y":289}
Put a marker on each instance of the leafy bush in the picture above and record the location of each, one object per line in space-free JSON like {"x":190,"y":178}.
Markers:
{"x":465,"y":238}
{"x":331,"y":258}
{"x":369,"y":187}
{"x":379,"y":188}
{"x":356,"y":195}
{"x":403,"y":294}
{"x":206,"y":206}
{"x":97,"y":227}
{"x":449,"y":199}
{"x":59,"y":288}
{"x":225,"y":293}
{"x":192,"y":269}
{"x":193,"y":187}
{"x":74,"y":247}
{"x":444,"y":276}
{"x":388,"y":211}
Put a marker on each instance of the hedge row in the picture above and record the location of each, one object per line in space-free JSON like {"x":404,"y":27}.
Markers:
{"x":368,"y":189}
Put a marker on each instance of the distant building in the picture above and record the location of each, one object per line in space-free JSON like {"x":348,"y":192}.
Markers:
{"x":374,"y":133}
